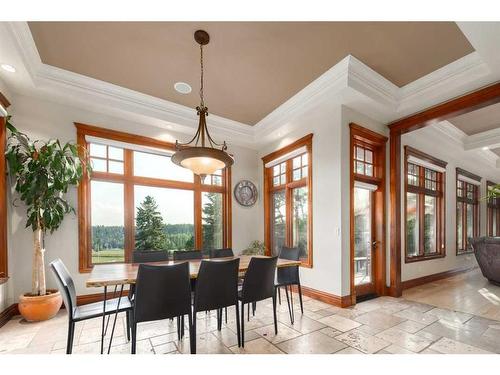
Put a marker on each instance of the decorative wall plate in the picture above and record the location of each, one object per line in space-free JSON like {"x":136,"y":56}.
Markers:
{"x":245,"y":193}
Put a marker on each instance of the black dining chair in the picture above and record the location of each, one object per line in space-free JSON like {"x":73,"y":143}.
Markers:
{"x":92,"y":310}
{"x":187,"y":254}
{"x":258,"y":285}
{"x":161,"y":292}
{"x":289,"y":276}
{"x":221,"y":253}
{"x":149,"y":256}
{"x":216,"y":288}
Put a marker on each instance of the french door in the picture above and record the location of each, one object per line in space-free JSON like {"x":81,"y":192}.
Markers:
{"x":367,"y":213}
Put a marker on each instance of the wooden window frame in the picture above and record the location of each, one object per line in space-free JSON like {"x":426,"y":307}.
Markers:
{"x":4,"y":261}
{"x":421,"y":191}
{"x":493,"y":208}
{"x":269,"y":189}
{"x":129,"y":181}
{"x":465,"y":201}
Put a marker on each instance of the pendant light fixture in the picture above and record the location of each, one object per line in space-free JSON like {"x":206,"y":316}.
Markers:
{"x":202,"y":154}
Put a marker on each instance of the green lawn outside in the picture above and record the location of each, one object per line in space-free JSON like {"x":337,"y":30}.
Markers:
{"x":108,"y":256}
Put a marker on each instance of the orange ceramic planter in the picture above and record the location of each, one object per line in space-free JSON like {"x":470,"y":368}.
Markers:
{"x":38,"y":308}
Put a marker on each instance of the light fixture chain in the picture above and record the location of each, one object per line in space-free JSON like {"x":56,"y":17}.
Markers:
{"x":202,"y":100}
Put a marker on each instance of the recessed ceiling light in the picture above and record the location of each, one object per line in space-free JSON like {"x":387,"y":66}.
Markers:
{"x":486,"y":148}
{"x":8,"y":68}
{"x":182,"y":88}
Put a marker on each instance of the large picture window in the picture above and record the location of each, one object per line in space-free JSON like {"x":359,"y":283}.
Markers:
{"x":424,"y":206}
{"x":136,"y":199}
{"x":493,"y":213}
{"x":288,"y":200}
{"x":468,"y":185}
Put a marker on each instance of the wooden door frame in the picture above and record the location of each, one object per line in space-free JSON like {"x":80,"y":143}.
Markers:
{"x":4,"y":268}
{"x":378,"y":141}
{"x":469,"y":102}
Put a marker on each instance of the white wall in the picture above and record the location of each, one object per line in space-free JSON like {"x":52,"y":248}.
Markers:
{"x":433,"y":142}
{"x":43,"y":120}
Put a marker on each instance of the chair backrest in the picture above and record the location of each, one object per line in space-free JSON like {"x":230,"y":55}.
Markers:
{"x":65,"y":285}
{"x":259,"y":279}
{"x":289,"y":275}
{"x":221,"y":253}
{"x":217,"y":284}
{"x":162,"y":291}
{"x":149,"y":256}
{"x":187,"y":254}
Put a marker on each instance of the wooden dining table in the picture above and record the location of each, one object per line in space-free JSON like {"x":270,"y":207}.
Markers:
{"x":120,"y":274}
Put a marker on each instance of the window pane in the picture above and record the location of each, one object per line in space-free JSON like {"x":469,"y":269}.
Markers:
{"x":107,"y":217}
{"x":276,"y":181}
{"x":98,"y":165}
{"x":115,"y":153}
{"x":278,"y":221}
{"x":296,"y":174}
{"x":212,"y":220}
{"x":460,"y":228}
{"x":283,"y":179}
{"x":299,"y":222}
{"x":158,"y":166}
{"x":283,"y":167}
{"x":369,"y":169}
{"x":115,"y":167}
{"x":304,"y":159}
{"x":296,"y":162}
{"x":430,"y":229}
{"x":369,"y":156}
{"x":411,"y":224}
{"x":97,"y":150}
{"x":360,"y":168}
{"x":360,"y":153}
{"x":362,"y":236}
{"x":470,"y":223}
{"x":276,"y":170}
{"x":304,"y":172}
{"x":164,"y":218}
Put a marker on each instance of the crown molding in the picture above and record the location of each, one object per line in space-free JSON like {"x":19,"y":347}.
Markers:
{"x":462,"y":140}
{"x":489,"y":138}
{"x":349,"y":82}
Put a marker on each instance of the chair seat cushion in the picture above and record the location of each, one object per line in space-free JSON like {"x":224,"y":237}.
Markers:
{"x":93,"y":310}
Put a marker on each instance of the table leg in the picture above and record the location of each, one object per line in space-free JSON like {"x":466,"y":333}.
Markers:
{"x":103,"y":318}
{"x":109,"y":316}
{"x":116,"y":316}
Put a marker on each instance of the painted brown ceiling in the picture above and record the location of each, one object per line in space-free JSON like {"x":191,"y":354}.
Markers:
{"x":251,"y":68}
{"x":479,"y":121}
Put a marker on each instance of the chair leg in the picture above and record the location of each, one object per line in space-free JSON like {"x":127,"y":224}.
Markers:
{"x":254,"y":307}
{"x":279,"y":294}
{"x":192,"y":335}
{"x":242,"y":325}
{"x":179,"y":328}
{"x":134,"y":336}
{"x":248,"y":312}
{"x":238,"y":329}
{"x":291,"y":303}
{"x":288,"y":303}
{"x":182,"y":326}
{"x":274,"y":314}
{"x":300,"y":298}
{"x":71,"y":335}
{"x":225,"y":312}
{"x":127,"y":315}
{"x":219,"y":319}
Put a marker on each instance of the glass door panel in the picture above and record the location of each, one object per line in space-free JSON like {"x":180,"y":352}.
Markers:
{"x":363,"y":236}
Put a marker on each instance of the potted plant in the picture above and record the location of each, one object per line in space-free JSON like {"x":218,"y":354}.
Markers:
{"x":255,"y":248}
{"x":41,"y":174}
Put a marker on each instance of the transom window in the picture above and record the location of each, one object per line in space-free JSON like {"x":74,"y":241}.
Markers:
{"x":425,"y":214}
{"x":363,"y":161}
{"x":106,"y":158}
{"x":138,"y":200}
{"x":288,"y":204}
{"x":467,"y":209}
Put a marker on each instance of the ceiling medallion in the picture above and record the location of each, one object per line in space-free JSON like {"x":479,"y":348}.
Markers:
{"x":202,"y":155}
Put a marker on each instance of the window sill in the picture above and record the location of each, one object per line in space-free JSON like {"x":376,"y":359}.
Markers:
{"x":465,"y":252}
{"x":423,"y":258}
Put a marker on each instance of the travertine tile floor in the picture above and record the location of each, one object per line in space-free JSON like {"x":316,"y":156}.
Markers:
{"x":384,"y":325}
